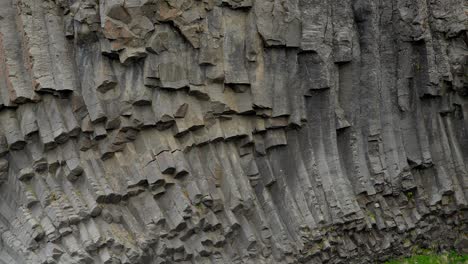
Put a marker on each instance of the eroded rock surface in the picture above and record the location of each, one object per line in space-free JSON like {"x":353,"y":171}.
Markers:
{"x":232,"y":131}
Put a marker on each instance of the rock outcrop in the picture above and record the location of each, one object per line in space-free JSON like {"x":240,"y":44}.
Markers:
{"x":232,"y":131}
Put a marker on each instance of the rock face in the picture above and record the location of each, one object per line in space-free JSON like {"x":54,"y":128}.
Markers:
{"x":232,"y":131}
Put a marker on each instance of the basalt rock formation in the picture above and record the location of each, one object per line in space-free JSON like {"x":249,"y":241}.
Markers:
{"x":232,"y":131}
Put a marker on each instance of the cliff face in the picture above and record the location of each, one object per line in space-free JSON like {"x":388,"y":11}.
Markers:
{"x":232,"y":131}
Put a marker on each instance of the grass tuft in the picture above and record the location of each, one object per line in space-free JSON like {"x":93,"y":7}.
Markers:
{"x":431,"y":258}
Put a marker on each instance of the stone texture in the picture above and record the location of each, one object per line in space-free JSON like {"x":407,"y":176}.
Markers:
{"x":232,"y":131}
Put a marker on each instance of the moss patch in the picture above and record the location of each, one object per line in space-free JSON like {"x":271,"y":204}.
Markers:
{"x":448,"y":258}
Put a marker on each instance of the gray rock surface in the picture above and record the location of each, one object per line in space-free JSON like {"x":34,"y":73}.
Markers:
{"x":232,"y":131}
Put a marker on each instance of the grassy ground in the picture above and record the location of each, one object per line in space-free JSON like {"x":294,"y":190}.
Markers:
{"x":448,"y":258}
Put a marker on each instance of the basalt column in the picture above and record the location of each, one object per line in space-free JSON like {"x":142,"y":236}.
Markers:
{"x":232,"y":131}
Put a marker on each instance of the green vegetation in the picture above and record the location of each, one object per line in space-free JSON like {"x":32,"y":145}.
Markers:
{"x":371,"y":215}
{"x":410,"y":195}
{"x":432,"y":258}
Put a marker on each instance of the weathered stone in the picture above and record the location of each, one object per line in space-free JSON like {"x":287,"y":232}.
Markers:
{"x":231,"y":131}
{"x":166,"y":162}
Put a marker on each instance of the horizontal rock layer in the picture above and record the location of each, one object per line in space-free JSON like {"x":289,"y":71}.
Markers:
{"x":232,"y":131}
